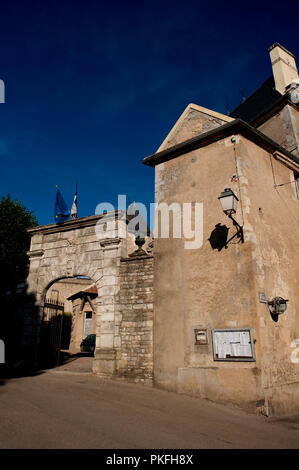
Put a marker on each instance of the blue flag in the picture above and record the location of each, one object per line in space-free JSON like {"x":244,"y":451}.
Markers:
{"x":61,"y":210}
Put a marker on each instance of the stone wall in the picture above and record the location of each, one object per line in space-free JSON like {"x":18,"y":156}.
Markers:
{"x":135,"y":361}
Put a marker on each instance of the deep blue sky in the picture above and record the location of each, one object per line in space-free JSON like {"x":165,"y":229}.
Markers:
{"x":92,"y":87}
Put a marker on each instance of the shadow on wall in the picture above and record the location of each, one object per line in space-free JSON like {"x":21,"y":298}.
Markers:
{"x":55,"y":335}
{"x":18,"y":321}
{"x":218,"y":237}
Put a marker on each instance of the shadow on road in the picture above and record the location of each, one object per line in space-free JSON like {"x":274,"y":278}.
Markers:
{"x":8,"y":373}
{"x":66,"y":357}
{"x":23,"y":369}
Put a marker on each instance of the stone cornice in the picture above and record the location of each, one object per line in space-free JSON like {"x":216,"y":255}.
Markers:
{"x":75,"y":224}
{"x":219,"y":133}
{"x":289,"y":163}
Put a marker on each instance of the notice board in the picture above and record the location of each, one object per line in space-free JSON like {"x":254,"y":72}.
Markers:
{"x":233,"y":344}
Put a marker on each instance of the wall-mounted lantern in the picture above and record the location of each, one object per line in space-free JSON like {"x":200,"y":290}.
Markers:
{"x":278,"y":305}
{"x":229,"y":202}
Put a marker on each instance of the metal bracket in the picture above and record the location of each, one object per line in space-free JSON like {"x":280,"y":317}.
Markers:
{"x":238,"y":234}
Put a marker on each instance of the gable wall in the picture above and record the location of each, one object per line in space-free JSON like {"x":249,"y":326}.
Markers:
{"x":192,"y":123}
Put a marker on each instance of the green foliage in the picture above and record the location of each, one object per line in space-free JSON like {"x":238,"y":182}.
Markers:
{"x":14,"y":242}
{"x":68,"y":315}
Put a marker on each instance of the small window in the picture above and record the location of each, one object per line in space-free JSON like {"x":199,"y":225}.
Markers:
{"x":87,"y":324}
{"x":296,"y":178}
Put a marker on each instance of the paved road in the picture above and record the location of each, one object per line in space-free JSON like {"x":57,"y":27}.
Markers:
{"x":75,"y":410}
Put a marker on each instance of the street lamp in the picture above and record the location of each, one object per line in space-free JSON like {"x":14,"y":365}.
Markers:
{"x":229,"y":202}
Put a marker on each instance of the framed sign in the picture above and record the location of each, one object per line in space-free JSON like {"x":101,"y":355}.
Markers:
{"x":233,"y":344}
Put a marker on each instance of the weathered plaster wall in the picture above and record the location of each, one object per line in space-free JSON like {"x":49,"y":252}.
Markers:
{"x":210,"y":289}
{"x":294,"y":114}
{"x":135,"y":358}
{"x":283,"y":128}
{"x":272,"y":222}
{"x":202,"y":287}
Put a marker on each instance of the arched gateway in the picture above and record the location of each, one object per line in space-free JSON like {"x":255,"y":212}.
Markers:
{"x":124,"y":282}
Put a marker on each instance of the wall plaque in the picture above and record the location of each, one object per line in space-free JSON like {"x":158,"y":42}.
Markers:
{"x":201,"y":336}
{"x":233,"y":344}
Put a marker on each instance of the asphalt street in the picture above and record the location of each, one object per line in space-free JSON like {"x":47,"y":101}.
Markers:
{"x":61,"y":409}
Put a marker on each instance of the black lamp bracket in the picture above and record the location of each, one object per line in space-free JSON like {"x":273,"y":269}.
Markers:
{"x":238,"y":234}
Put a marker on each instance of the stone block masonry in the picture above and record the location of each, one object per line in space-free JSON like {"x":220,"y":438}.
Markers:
{"x":135,"y":358}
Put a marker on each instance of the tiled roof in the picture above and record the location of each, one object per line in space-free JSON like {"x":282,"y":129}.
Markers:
{"x":92,"y":291}
{"x":259,"y":101}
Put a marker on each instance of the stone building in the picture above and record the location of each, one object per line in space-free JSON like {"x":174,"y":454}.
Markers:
{"x":214,"y":333}
{"x":200,"y":320}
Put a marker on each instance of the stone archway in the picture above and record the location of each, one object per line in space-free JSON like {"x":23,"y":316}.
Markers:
{"x":70,"y":249}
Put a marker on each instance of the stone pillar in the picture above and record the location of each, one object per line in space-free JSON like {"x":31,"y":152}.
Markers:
{"x":108,"y":319}
{"x":136,"y":300}
{"x":31,"y":308}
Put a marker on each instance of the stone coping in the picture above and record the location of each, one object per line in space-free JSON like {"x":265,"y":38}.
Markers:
{"x":276,"y":44}
{"x":75,"y":224}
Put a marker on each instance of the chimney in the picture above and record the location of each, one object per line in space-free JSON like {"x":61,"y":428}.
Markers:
{"x":283,"y":66}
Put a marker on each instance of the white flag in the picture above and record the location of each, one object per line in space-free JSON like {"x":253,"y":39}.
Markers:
{"x":74,"y":206}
